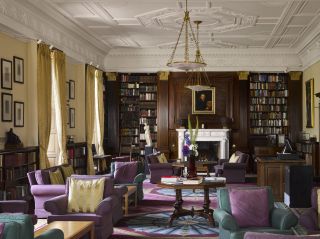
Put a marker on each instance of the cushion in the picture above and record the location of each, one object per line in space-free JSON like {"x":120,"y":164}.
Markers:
{"x":42,"y":177}
{"x":125,"y":172}
{"x":233,"y":158}
{"x":162,"y":158}
{"x":56,"y":177}
{"x":85,"y":195}
{"x":153,"y":159}
{"x":250,"y":207}
{"x":67,"y":171}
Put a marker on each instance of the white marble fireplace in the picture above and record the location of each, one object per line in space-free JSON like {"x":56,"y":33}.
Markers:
{"x":208,"y":135}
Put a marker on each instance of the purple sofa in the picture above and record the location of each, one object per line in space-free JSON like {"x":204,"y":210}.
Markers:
{"x":260,"y":235}
{"x":309,"y":219}
{"x":108,"y":211}
{"x":233,"y":172}
{"x":42,"y":190}
{"x":158,"y":170}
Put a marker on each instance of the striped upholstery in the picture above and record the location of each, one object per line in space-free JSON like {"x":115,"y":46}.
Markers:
{"x":67,"y":171}
{"x":56,"y":177}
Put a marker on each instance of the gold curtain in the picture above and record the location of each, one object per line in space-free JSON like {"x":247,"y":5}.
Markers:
{"x":59,"y":67}
{"x":100,"y":110}
{"x":90,"y":102}
{"x":44,"y":101}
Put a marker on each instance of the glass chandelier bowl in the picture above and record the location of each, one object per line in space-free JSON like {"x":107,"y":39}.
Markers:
{"x":185,"y":64}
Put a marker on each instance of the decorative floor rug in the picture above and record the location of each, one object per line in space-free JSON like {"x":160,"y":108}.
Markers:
{"x":156,"y":224}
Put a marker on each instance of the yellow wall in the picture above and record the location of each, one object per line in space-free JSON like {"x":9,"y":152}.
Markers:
{"x":76,"y":72}
{"x":10,"y":47}
{"x":312,"y":72}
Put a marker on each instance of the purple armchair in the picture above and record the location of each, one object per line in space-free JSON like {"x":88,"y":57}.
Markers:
{"x":108,"y":211}
{"x":42,"y":190}
{"x":309,"y":219}
{"x":233,"y":172}
{"x":158,"y":170}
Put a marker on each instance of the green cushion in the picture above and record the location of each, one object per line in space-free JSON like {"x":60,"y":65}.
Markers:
{"x":67,"y":171}
{"x":56,"y":177}
{"x":24,"y":222}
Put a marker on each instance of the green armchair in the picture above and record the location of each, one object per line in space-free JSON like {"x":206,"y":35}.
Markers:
{"x":280,"y":220}
{"x":20,"y":226}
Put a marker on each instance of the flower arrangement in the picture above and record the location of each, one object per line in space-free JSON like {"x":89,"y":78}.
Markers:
{"x":190,"y":146}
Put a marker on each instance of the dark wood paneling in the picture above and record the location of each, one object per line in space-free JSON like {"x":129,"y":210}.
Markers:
{"x":162,"y":115}
{"x":295,"y":109}
{"x":112,"y":102}
{"x":180,"y":99}
{"x":173,"y":143}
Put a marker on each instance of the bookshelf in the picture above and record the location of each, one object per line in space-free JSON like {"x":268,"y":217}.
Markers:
{"x":268,"y":104}
{"x":77,"y":157}
{"x":14,"y":166}
{"x":138,"y":105}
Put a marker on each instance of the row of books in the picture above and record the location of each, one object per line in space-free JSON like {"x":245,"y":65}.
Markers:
{"x":148,"y":88}
{"x":129,"y":139}
{"x":269,"y":100}
{"x":149,"y":112}
{"x":269,"y":93}
{"x":79,"y":162}
{"x":268,"y":115}
{"x":130,"y":107}
{"x":20,"y":192}
{"x":129,"y":132}
{"x":17,"y":159}
{"x":130,"y":85}
{"x":267,"y":108}
{"x":146,"y":104}
{"x":148,"y":79}
{"x":278,"y":123}
{"x":269,"y":130}
{"x":269,"y":78}
{"x":152,"y":135}
{"x":305,"y":148}
{"x":148,"y":96}
{"x":147,"y":121}
{"x":17,"y":172}
{"x":129,"y":92}
{"x":268,"y":86}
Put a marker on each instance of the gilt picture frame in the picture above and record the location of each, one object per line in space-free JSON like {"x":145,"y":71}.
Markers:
{"x":309,"y":103}
{"x":203,"y":102}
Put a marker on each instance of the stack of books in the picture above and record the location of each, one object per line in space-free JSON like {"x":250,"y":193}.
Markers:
{"x":194,"y":181}
{"x":215,"y":179}
{"x":169,"y":179}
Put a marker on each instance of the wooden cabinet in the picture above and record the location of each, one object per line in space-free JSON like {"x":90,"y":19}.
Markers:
{"x":309,"y":151}
{"x":271,"y":172}
{"x":14,"y":166}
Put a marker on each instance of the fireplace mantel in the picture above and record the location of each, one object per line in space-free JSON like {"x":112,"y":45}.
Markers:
{"x":208,"y":135}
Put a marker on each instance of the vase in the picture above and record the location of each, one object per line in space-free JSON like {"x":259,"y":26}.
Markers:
{"x":192,"y":172}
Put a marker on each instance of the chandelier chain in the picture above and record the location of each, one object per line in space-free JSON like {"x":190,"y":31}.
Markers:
{"x":176,"y":45}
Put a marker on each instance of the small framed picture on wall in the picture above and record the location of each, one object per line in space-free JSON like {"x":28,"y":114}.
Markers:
{"x":72,"y":94}
{"x":6,"y":74}
{"x":6,"y":107}
{"x":18,"y":70}
{"x":72,"y":118}
{"x":18,"y":114}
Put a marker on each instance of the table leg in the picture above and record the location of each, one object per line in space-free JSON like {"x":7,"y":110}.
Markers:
{"x":92,"y":232}
{"x":126,"y":204}
{"x":136,"y":198}
{"x":206,"y":206}
{"x":177,"y":206}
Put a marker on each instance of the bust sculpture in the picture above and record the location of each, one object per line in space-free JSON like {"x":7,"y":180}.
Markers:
{"x":12,"y":140}
{"x":147,"y":135}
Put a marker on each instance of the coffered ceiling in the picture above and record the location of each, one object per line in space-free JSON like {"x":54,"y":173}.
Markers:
{"x":155,"y":23}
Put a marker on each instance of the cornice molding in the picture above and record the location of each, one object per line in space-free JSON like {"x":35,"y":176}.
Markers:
{"x":15,"y":15}
{"x":153,"y":60}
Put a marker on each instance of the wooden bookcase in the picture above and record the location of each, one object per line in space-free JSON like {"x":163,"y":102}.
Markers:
{"x":268,"y":104}
{"x":309,"y":151}
{"x":14,"y":166}
{"x":77,"y":157}
{"x":138,"y":105}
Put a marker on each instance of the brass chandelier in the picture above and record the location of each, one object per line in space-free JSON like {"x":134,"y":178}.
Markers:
{"x":198,"y":79}
{"x":186,"y":64}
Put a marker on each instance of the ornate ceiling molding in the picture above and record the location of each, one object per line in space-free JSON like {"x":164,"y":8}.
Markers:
{"x":34,"y":25}
{"x":153,"y":60}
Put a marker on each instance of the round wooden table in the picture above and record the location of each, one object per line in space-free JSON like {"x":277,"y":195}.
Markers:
{"x":179,"y":211}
